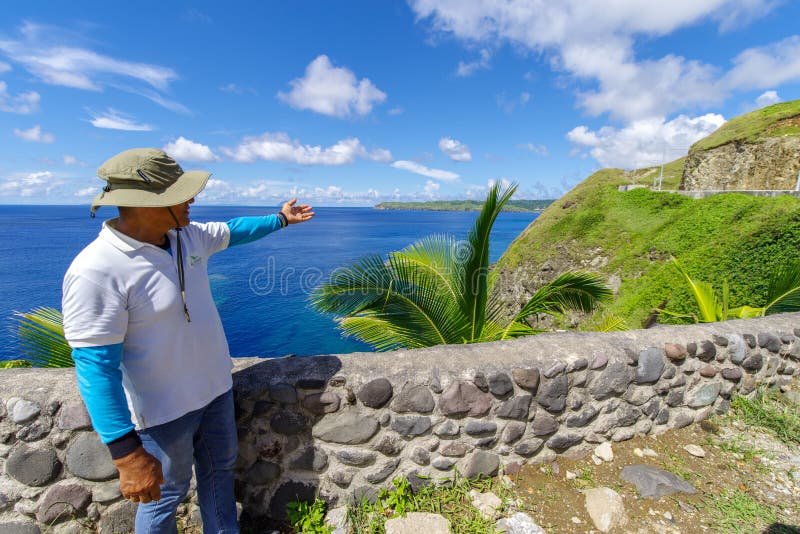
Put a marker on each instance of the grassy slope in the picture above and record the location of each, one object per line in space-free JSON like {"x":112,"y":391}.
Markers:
{"x":735,"y":236}
{"x":755,"y":126}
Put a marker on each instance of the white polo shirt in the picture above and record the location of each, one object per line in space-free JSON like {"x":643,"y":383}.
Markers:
{"x":120,"y":290}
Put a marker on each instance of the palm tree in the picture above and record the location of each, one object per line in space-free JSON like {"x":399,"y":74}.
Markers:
{"x":438,"y":292}
{"x":783,"y":295}
{"x":41,"y":335}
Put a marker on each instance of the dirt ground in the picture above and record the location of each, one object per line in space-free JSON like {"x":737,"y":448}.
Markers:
{"x":747,"y":482}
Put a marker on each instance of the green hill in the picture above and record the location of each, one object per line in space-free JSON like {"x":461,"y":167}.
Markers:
{"x":463,"y":205}
{"x":630,"y":236}
{"x":772,"y":121}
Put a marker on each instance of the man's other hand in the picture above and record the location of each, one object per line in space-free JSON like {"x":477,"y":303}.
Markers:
{"x":140,"y":476}
{"x":297,"y":214}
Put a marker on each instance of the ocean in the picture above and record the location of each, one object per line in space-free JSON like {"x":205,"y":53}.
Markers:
{"x":261,"y":289}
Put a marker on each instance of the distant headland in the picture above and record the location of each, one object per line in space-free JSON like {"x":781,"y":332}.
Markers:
{"x":464,"y":205}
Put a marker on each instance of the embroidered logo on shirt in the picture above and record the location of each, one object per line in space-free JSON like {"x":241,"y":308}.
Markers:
{"x":194,"y":260}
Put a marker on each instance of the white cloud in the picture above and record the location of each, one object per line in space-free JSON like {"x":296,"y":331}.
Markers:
{"x":455,"y":150}
{"x":509,"y":104}
{"x":237,"y":89}
{"x":43,"y":51}
{"x":595,"y":44}
{"x":184,"y":149}
{"x":87,"y":192}
{"x":431,"y":188}
{"x":767,"y":98}
{"x":4,"y":67}
{"x":279,"y":147}
{"x":540,"y":150}
{"x":766,"y":66}
{"x":482,"y":63}
{"x":35,"y":135}
{"x":645,"y":142}
{"x":72,"y":160}
{"x":115,"y":120}
{"x":396,"y":111}
{"x":416,"y":168}
{"x":30,"y":184}
{"x":23,"y":103}
{"x":332,"y":91}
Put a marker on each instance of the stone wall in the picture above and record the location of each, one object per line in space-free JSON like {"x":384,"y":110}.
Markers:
{"x":771,"y":164}
{"x":344,"y":426}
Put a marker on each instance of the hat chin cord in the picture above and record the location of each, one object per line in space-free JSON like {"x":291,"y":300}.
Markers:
{"x":181,"y":278}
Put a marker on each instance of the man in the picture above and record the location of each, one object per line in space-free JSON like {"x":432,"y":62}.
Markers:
{"x":139,"y":315}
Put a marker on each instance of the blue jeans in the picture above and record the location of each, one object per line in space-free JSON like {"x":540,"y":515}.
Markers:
{"x":206,"y":437}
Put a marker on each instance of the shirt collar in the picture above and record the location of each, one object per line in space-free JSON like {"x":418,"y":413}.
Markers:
{"x":121,"y":241}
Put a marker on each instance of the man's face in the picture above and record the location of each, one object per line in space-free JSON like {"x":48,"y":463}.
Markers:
{"x":181,"y":212}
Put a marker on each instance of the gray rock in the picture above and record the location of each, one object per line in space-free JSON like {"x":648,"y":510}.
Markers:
{"x":583,"y":418}
{"x":605,"y":508}
{"x":435,"y":382}
{"x":737,"y":348}
{"x":563,"y":441}
{"x":62,"y":502}
{"x":733,"y":374}
{"x":519,"y":523}
{"x":24,"y":411}
{"x":678,"y":382}
{"x":88,"y":458}
{"x":753,"y":363}
{"x":722,"y":341}
{"x":375,"y":393}
{"x":632,"y":355}
{"x":578,"y":365}
{"x":413,"y":398}
{"x":543,"y":424}
{"x":283,"y":393}
{"x":623,"y":434}
{"x":106,"y":491}
{"x":370,"y":493}
{"x":487,"y":442}
{"x":411,"y":425}
{"x":463,"y":398}
{"x":650,"y":366}
{"x":627,"y":415}
{"x":341,"y":477}
{"x":578,"y":379}
{"x":33,"y":467}
{"x":322,"y":403}
{"x":288,"y":423}
{"x":481,"y":464}
{"x":442,"y":464}
{"x":638,"y":395}
{"x":515,"y":408}
{"x":528,"y":446}
{"x":706,"y":351}
{"x":669,"y":372}
{"x":654,"y":482}
{"x":18,"y":527}
{"x":500,"y":384}
{"x":74,"y":416}
{"x":311,"y":459}
{"x":708,"y":371}
{"x":35,"y":430}
{"x":418,"y":523}
{"x":663,"y":417}
{"x":552,"y":394}
{"x":527,"y":379}
{"x":598,"y":362}
{"x":454,"y":449}
{"x":263,"y":472}
{"x":356,"y":457}
{"x":420,"y":456}
{"x":382,"y":472}
{"x":389,"y":444}
{"x":768,"y":341}
{"x":309,"y":383}
{"x":480,"y":382}
{"x":290,"y":491}
{"x":512,"y":432}
{"x":555,"y":369}
{"x":750,"y":339}
{"x":674,"y":397}
{"x":613,"y":380}
{"x":118,"y":518}
{"x":704,"y":395}
{"x":347,"y":428}
{"x":446,"y":429}
{"x":651,"y":408}
{"x":682,"y":418}
{"x":480,"y":428}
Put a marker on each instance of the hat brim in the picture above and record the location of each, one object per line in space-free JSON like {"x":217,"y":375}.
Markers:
{"x":184,"y":189}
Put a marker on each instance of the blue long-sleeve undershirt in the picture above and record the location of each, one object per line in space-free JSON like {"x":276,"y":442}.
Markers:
{"x":98,"y":368}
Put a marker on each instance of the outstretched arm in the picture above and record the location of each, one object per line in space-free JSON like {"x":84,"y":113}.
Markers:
{"x":248,"y":229}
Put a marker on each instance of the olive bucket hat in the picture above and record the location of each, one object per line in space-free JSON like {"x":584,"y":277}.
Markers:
{"x":146,"y":178}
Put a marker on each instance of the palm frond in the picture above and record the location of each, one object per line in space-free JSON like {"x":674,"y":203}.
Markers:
{"x":438,"y":256}
{"x":41,"y":336}
{"x":605,"y":321}
{"x":473,"y":283}
{"x":579,"y":291}
{"x":381,"y":334}
{"x":709,"y":307}
{"x":354,"y":288}
{"x":783,"y":294}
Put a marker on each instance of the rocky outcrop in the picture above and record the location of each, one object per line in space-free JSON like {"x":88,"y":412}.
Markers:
{"x":772,"y":164}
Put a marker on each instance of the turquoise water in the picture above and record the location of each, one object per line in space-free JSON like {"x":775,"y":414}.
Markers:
{"x":261,"y":289}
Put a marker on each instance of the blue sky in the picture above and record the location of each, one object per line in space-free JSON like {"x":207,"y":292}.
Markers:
{"x":355,"y":102}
